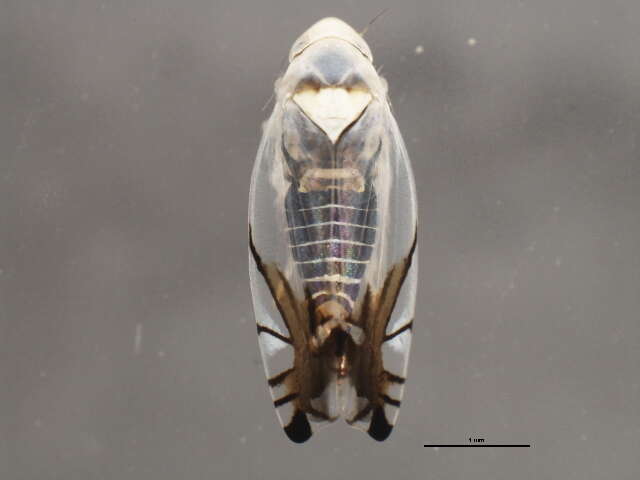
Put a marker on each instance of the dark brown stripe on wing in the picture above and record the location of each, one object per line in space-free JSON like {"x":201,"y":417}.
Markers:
{"x":390,"y":377}
{"x":278,"y":379}
{"x":286,"y":399}
{"x":273,"y":333}
{"x":390,"y":401}
{"x":392,"y":335}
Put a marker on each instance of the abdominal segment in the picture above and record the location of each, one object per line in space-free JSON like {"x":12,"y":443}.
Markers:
{"x":332,"y":232}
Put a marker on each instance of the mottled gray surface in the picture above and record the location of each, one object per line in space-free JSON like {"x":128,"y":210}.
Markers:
{"x":127,"y":135}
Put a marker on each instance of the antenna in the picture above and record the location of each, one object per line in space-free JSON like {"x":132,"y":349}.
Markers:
{"x":362,"y":33}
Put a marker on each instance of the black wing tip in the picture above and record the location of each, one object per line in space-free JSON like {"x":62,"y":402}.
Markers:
{"x":379,"y":428}
{"x":299,"y":429}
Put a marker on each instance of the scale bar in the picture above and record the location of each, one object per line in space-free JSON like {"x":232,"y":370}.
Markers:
{"x":481,"y":445}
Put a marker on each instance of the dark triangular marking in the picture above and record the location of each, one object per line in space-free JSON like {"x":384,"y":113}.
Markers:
{"x":273,"y":333}
{"x":278,"y":379}
{"x":405,"y":327}
{"x":285,"y":399}
{"x":298,"y":430}
{"x":379,"y":428}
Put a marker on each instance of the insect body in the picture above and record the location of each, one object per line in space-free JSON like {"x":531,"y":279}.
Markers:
{"x":332,"y":235}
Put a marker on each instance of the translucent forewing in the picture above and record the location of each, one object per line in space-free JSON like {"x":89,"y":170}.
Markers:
{"x":332,"y":217}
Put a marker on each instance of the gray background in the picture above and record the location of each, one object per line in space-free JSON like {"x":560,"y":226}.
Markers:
{"x":128,"y":131}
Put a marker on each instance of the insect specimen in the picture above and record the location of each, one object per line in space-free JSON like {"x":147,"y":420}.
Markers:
{"x":332,"y":237}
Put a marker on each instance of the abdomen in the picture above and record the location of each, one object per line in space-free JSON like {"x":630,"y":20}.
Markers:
{"x":332,"y":234}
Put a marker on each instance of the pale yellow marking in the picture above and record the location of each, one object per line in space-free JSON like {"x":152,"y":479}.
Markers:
{"x":332,"y":173}
{"x":335,"y":294}
{"x":314,"y":179}
{"x":332,"y":108}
